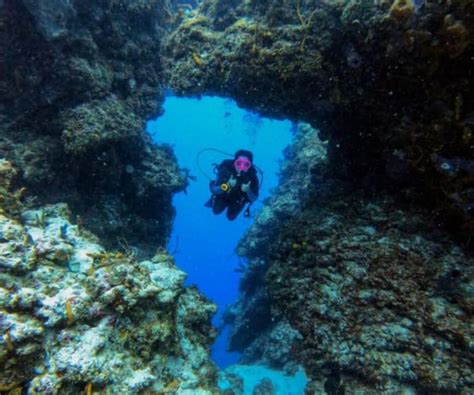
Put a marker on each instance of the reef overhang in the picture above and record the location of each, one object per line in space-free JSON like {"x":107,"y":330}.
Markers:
{"x":389,"y":84}
{"x":79,"y":81}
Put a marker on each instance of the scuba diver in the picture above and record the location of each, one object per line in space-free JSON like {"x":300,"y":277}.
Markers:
{"x":236,"y":185}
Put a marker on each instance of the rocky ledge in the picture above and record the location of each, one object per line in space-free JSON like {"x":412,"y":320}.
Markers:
{"x":364,"y":289}
{"x":77,"y":318}
{"x":388,"y":83}
{"x":79,"y":80}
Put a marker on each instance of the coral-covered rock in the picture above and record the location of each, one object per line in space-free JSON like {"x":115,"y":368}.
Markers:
{"x":375,"y":291}
{"x":72,"y":312}
{"x":368,"y":292}
{"x":274,"y":347}
{"x":388,"y":83}
{"x":257,"y":332}
{"x":79,"y":80}
{"x":298,"y":180}
{"x":258,"y":379}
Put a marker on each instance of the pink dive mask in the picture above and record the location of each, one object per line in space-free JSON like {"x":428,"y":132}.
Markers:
{"x":242,"y":163}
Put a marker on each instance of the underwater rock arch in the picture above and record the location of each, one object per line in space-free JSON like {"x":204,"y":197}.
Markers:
{"x":79,"y":81}
{"x":390,"y":86}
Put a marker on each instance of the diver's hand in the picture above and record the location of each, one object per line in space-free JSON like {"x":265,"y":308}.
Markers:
{"x":246,"y":187}
{"x":232,"y":181}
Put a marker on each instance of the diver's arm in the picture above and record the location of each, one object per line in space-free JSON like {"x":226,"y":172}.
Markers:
{"x":252,"y":193}
{"x":252,"y":196}
{"x":250,"y":190}
{"x":215,"y":188}
{"x":222,"y":178}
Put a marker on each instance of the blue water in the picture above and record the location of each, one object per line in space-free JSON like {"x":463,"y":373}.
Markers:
{"x":202,"y":243}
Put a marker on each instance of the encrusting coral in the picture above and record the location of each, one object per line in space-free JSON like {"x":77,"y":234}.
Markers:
{"x":81,"y":78}
{"x":75,"y":316}
{"x":392,"y":78}
{"x":402,"y":9}
{"x":255,"y":328}
{"x":378,"y":298}
{"x":361,"y":276}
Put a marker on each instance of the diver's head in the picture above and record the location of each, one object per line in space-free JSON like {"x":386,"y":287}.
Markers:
{"x":243,"y":160}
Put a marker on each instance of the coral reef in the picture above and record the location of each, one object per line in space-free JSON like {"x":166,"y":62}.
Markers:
{"x":358,"y":263}
{"x":402,"y":10}
{"x":81,"y":78}
{"x":362,"y":284}
{"x":243,"y":379}
{"x":298,"y":180}
{"x":392,"y":78}
{"x":256,"y":331}
{"x":377,"y":294}
{"x":77,"y":318}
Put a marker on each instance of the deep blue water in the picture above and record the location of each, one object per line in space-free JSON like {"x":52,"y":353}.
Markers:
{"x":202,"y":243}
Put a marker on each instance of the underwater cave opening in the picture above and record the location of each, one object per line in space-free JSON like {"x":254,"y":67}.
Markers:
{"x":202,"y":243}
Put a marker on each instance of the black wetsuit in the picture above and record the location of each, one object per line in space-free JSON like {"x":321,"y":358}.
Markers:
{"x":234,"y":199}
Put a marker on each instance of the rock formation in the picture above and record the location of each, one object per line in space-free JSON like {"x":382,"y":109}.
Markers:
{"x":367,"y":255}
{"x":79,"y":80}
{"x":388,"y":84}
{"x":74,"y":316}
{"x":368,"y":281}
{"x":365,"y":290}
